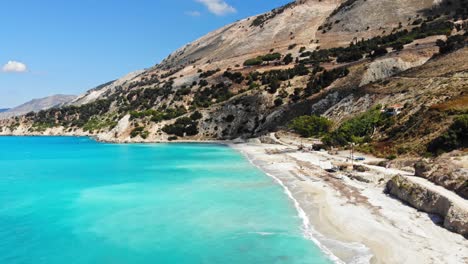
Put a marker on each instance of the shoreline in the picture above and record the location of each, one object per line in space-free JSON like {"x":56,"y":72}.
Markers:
{"x":349,"y":220}
{"x":308,"y":230}
{"x":352,"y":221}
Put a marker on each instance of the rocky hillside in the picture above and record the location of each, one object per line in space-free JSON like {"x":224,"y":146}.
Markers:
{"x":380,"y":71}
{"x":37,"y":105}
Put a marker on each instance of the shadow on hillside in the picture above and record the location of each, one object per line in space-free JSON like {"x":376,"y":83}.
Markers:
{"x":457,"y":9}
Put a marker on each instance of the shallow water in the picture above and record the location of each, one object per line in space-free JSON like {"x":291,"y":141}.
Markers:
{"x":73,"y":200}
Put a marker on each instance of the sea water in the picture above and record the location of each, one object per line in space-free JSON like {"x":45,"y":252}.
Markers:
{"x":73,"y":200}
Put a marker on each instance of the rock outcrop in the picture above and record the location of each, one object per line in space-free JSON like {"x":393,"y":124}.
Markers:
{"x":430,"y":201}
{"x":445,"y":172}
{"x":384,"y":68}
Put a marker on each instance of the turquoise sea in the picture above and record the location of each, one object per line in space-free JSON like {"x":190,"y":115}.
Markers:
{"x":73,"y":200}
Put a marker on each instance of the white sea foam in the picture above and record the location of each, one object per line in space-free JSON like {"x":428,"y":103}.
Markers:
{"x":363,"y":254}
{"x":263,"y":233}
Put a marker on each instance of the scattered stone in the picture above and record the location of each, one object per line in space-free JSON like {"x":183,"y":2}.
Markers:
{"x":422,"y":169}
{"x":358,"y":178}
{"x":360,"y":168}
{"x":254,"y":141}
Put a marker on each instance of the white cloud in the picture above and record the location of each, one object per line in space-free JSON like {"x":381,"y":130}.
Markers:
{"x":14,"y":66}
{"x":193,"y":13}
{"x":218,"y":7}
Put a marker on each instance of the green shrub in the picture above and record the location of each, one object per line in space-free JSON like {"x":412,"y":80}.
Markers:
{"x":380,"y":51}
{"x":271,"y":57}
{"x":317,"y":56}
{"x":453,"y":43}
{"x":196,"y":115}
{"x":358,"y":129}
{"x":144,"y":134}
{"x":456,"y":137}
{"x":183,"y":126}
{"x":288,"y":58}
{"x":203,"y":83}
{"x":274,"y":85}
{"x":209,"y":73}
{"x":308,"y":126}
{"x":217,"y":93}
{"x":253,"y":62}
{"x":292,"y":46}
{"x":260,"y":59}
{"x":236,"y":77}
{"x":350,"y":56}
{"x":316,"y":84}
{"x":278,"y":102}
{"x":158,"y":116}
{"x":96,"y":124}
{"x":137,"y":131}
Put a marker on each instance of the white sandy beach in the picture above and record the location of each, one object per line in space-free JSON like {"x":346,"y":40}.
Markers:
{"x":353,"y":220}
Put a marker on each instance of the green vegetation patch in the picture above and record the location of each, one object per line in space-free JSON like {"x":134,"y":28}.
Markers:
{"x":358,"y":50}
{"x":260,"y":59}
{"x":183,"y":126}
{"x":359,"y":129}
{"x":214,"y":94}
{"x":159,"y":115}
{"x":77,"y":116}
{"x":236,"y":77}
{"x":317,"y":83}
{"x":96,"y":124}
{"x":453,"y":43}
{"x":209,"y":73}
{"x":456,"y":137}
{"x":139,"y":131}
{"x":311,"y":126}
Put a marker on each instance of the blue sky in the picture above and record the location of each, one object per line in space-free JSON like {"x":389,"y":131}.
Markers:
{"x":69,"y":46}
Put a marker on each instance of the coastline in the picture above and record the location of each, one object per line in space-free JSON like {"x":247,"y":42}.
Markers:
{"x":308,"y":230}
{"x":350,"y":220}
{"x":117,"y":141}
{"x":353,"y":221}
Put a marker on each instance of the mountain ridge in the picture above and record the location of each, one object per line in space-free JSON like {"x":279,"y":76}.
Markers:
{"x":38,"y":104}
{"x":254,"y":76}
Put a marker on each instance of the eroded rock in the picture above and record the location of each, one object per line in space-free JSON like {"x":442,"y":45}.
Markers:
{"x":421,"y":198}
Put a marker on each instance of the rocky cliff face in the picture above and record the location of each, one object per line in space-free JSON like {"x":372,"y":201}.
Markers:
{"x":455,"y":217}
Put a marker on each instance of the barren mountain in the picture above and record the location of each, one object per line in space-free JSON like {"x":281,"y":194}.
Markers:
{"x":37,"y":105}
{"x":398,"y":62}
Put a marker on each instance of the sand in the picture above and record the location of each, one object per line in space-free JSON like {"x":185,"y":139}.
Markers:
{"x":355,"y":221}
